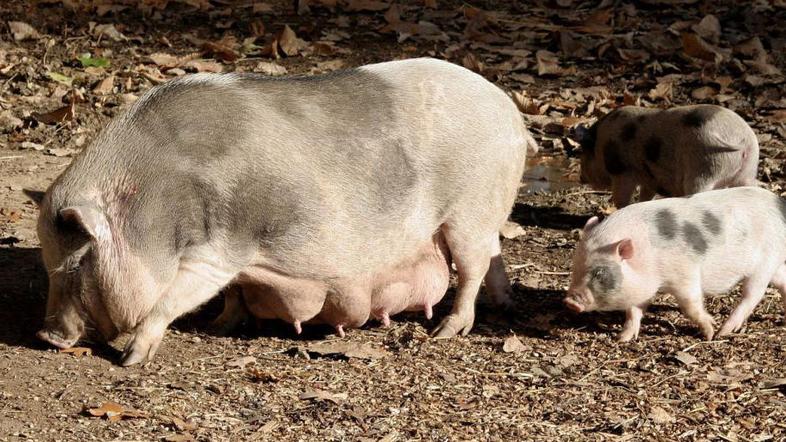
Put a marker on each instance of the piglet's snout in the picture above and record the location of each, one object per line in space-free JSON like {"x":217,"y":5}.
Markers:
{"x":578,"y":302}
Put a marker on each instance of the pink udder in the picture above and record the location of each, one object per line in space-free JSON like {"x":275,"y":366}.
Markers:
{"x":416,"y":284}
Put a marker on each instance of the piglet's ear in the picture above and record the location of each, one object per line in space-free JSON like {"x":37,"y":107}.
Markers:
{"x":591,"y":223}
{"x":581,"y":133}
{"x":625,"y":248}
{"x":86,"y":218}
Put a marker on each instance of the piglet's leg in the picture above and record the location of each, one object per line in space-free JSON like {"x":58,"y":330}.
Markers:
{"x":195,"y":283}
{"x":630,"y":330}
{"x":646,"y":194}
{"x":622,"y":187}
{"x":691,"y":301}
{"x":753,"y":289}
{"x":779,"y":281}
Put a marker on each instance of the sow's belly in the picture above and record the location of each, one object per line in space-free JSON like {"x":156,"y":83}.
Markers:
{"x":417,"y":283}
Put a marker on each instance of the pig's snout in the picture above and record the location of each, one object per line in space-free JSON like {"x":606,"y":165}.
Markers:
{"x":578,"y":302}
{"x":55,"y":338}
{"x":62,"y":331}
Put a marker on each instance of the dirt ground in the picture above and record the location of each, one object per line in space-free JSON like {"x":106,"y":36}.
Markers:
{"x":536,"y":372}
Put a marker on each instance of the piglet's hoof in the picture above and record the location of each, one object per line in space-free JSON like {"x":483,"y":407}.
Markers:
{"x":453,"y":325}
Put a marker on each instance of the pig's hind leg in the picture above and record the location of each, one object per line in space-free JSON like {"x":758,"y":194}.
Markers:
{"x":497,"y":283}
{"x":234,"y":313}
{"x":753,"y":289}
{"x":472,"y":257}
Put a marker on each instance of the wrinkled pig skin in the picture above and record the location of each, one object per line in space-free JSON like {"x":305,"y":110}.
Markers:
{"x":688,"y":247}
{"x":673,"y":152}
{"x":329,"y":199}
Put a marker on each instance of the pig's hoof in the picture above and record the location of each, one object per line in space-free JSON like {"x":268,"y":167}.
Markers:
{"x":729,"y":328}
{"x":627,"y":335}
{"x":453,"y":325}
{"x":139,"y":350}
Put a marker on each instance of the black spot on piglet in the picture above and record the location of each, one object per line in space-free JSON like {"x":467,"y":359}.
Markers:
{"x":711,"y":222}
{"x":666,"y":223}
{"x":697,"y":117}
{"x":694,"y":238}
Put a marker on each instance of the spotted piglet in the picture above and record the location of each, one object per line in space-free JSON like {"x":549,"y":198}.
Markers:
{"x":673,"y":152}
{"x":704,"y":244}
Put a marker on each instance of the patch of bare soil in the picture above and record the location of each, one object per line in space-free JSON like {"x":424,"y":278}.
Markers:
{"x":536,"y":372}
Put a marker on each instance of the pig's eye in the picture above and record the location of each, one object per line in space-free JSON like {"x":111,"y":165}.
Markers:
{"x":68,"y":225}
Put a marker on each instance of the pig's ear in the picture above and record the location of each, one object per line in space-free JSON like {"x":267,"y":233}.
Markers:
{"x":625,"y":249}
{"x":36,"y":196}
{"x":86,"y":218}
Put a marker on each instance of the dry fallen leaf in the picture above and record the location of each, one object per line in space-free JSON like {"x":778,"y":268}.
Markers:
{"x":685,"y":358}
{"x":115,"y":412}
{"x":773,"y":383}
{"x":696,"y":47}
{"x":260,"y":376}
{"x":61,"y":152}
{"x":661,"y":416}
{"x":548,"y":64}
{"x":105,"y":86}
{"x":270,"y":68}
{"x":322,"y":395}
{"x":204,"y":66}
{"x":511,"y":230}
{"x":22,"y":31}
{"x":108,"y":30}
{"x":347,"y":349}
{"x":78,"y":351}
{"x":65,"y":113}
{"x":513,"y":345}
{"x":367,"y":5}
{"x":164,"y":60}
{"x":289,"y":43}
{"x":709,"y":28}
{"x":242,"y":362}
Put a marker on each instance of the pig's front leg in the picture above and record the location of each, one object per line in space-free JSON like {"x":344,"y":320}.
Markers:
{"x":691,"y":301}
{"x":630,"y":330}
{"x":195,"y":283}
{"x":622,"y":188}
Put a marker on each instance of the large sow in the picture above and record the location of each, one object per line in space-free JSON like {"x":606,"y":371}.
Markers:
{"x":326,"y":199}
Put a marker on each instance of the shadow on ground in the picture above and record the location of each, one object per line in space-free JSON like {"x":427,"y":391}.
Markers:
{"x":22,"y":296}
{"x":546,"y":217}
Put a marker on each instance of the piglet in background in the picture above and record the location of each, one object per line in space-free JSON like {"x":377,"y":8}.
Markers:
{"x":673,"y":152}
{"x":687,"y":247}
